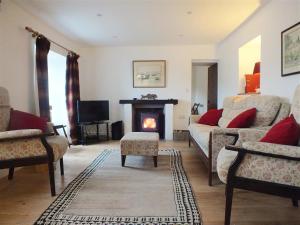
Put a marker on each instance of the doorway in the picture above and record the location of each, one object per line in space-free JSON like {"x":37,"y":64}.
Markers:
{"x":57,"y":85}
{"x":204,"y":94}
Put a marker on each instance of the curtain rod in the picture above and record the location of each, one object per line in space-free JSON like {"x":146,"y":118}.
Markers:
{"x":35,"y":34}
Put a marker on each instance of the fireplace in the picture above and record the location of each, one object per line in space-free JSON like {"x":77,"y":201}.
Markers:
{"x":158,"y":112}
{"x":149,"y":119}
{"x":149,"y":122}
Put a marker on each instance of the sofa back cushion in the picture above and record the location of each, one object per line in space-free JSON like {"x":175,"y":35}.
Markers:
{"x":267,"y":108}
{"x":4,"y":109}
{"x":295,"y":110}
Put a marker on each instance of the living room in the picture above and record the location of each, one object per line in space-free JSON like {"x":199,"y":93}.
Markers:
{"x":97,"y":53}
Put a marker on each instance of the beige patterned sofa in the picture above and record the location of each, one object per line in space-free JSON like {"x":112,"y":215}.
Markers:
{"x":262,"y":167}
{"x":211,"y":139}
{"x":28,"y":147}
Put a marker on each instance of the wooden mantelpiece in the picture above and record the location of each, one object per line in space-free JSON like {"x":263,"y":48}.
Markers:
{"x":150,"y":102}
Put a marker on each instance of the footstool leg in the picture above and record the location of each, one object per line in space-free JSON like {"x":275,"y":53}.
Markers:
{"x":155,"y":161}
{"x":123,"y":158}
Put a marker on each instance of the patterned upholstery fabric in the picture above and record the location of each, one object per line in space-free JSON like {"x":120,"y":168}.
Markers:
{"x":295,"y":110}
{"x":267,"y":108}
{"x":284,"y":112}
{"x":59,"y":145}
{"x":4,"y":109}
{"x":23,"y":148}
{"x":140,"y":143}
{"x":263,"y":168}
{"x":219,"y":140}
{"x":18,"y":149}
{"x":200,"y":133}
{"x":19,"y":133}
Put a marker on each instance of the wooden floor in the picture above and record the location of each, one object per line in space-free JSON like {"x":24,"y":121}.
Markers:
{"x":24,"y":198}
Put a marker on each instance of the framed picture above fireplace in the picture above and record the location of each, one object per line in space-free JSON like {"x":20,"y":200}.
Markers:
{"x":149,"y":73}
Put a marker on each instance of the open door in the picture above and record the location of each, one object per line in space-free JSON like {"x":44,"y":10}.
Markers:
{"x":212,"y":85}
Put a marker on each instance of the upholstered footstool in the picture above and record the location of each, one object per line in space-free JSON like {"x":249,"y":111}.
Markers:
{"x":139,"y":143}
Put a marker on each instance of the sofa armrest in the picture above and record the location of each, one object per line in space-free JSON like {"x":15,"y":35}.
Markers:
{"x":22,"y":134}
{"x":273,"y":149}
{"x":194,"y":118}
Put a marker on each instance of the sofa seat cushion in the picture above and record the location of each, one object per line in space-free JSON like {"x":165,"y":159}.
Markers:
{"x":260,"y":168}
{"x":59,"y":145}
{"x":200,"y":133}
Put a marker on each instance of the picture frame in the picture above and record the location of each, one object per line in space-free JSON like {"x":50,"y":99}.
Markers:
{"x":290,"y":50}
{"x":149,"y":73}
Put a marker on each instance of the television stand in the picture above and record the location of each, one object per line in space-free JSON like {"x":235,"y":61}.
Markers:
{"x":84,"y":135}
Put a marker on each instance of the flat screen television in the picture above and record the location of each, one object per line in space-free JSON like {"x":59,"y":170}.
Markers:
{"x":92,"y":111}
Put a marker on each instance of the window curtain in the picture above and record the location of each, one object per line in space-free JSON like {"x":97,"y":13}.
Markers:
{"x":42,"y":50}
{"x":72,"y":93}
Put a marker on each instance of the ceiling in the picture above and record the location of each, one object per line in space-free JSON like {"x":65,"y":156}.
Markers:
{"x":143,"y":22}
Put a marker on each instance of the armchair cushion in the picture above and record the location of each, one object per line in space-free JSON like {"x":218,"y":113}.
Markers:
{"x":21,"y":120}
{"x":59,"y":144}
{"x":22,"y":149}
{"x":263,"y":168}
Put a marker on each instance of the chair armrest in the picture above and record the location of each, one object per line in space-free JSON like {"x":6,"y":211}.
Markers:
{"x":22,"y":134}
{"x":269,"y":150}
{"x":194,"y":118}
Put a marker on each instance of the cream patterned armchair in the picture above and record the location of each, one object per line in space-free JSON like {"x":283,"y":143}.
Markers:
{"x":28,"y":147}
{"x":209,"y":140}
{"x":261,"y":167}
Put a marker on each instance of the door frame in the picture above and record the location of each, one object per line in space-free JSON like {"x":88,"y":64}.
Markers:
{"x":201,"y":62}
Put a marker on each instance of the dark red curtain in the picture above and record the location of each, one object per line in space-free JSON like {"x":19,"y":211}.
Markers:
{"x":42,"y":49}
{"x":72,"y":93}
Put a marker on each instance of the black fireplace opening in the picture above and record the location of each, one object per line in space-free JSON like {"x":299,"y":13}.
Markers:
{"x":149,"y":120}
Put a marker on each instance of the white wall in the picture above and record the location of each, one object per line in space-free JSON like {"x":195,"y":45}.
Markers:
{"x":112,"y":76}
{"x":199,"y":86}
{"x":16,"y":53}
{"x":269,"y":21}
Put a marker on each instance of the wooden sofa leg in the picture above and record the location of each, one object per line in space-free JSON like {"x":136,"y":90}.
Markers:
{"x":123,"y":159}
{"x":155,"y":161}
{"x":189,"y":142}
{"x":210,"y":177}
{"x":11,"y":173}
{"x":51,"y":178}
{"x":295,"y":202}
{"x":229,"y":196}
{"x":61,"y":162}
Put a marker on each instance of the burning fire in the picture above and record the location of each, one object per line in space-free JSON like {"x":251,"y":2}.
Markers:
{"x":149,"y":123}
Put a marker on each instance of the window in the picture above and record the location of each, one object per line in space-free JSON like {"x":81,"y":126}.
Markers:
{"x":57,"y":84}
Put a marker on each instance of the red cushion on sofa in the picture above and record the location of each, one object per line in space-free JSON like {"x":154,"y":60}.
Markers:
{"x":21,"y":120}
{"x":285,"y":132}
{"x":211,"y":117}
{"x":244,"y":119}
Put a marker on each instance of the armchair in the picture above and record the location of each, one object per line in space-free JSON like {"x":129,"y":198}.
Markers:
{"x":261,"y":167}
{"x":20,"y":148}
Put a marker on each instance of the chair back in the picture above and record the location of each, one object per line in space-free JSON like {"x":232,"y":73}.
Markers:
{"x":296,"y":104}
{"x":4,"y":109}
